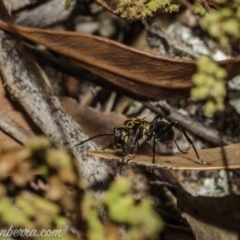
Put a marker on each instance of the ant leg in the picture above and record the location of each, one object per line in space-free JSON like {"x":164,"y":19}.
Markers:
{"x":137,"y":147}
{"x":171,"y":125}
{"x":179,"y":149}
{"x":154,"y":144}
{"x":190,"y":142}
{"x":123,"y":153}
{"x":122,"y":161}
{"x":133,"y":145}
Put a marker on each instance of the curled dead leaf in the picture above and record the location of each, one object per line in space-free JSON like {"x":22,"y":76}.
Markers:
{"x":141,"y":73}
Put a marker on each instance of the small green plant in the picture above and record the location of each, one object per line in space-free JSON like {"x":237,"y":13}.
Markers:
{"x":140,"y":219}
{"x":45,"y":208}
{"x":143,"y":9}
{"x":224,"y":23}
{"x":198,"y":9}
{"x":210,"y":85}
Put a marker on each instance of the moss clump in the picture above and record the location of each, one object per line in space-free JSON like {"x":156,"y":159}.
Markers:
{"x":210,"y":85}
{"x":140,"y":218}
{"x":143,"y":9}
{"x":224,"y":24}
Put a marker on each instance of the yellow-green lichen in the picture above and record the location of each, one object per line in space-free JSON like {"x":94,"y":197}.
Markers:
{"x":143,"y":9}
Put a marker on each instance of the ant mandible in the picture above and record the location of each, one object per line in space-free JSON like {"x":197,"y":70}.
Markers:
{"x":159,"y":129}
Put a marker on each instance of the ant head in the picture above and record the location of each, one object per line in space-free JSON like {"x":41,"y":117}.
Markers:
{"x":120,"y":137}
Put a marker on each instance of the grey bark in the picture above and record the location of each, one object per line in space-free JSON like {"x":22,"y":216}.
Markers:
{"x":25,"y":84}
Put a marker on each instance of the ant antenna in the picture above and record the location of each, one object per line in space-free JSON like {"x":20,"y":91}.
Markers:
{"x":97,"y":136}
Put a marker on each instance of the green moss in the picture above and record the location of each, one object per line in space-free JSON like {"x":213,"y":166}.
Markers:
{"x":209,"y":84}
{"x":143,"y":9}
{"x":142,"y":220}
{"x":38,"y":143}
{"x":11,"y":215}
{"x":223,"y":24}
{"x":44,"y":205}
{"x":96,"y":228}
{"x":58,"y":159}
{"x":199,"y":9}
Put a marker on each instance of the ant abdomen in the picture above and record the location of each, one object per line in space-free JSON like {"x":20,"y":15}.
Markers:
{"x":163,"y":136}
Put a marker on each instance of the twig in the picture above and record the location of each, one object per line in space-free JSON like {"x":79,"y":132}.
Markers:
{"x":191,"y":125}
{"x":165,"y":184}
{"x":12,"y":128}
{"x":25,"y":84}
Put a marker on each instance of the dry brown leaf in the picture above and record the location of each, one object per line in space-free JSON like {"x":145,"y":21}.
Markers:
{"x":138,"y":72}
{"x":179,"y":161}
{"x":211,"y":217}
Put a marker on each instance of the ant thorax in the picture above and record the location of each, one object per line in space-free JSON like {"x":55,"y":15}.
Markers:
{"x":140,"y":125}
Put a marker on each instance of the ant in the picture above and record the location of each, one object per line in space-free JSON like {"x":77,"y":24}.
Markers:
{"x":159,"y":129}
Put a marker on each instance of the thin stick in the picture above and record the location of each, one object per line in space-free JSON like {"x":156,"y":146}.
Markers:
{"x":12,"y":128}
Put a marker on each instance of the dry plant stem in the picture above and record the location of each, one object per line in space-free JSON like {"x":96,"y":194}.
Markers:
{"x":26,"y":85}
{"x":191,"y":125}
{"x":12,"y":128}
{"x":46,"y":14}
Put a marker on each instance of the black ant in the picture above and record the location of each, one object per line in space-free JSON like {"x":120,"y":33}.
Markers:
{"x":159,"y":129}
